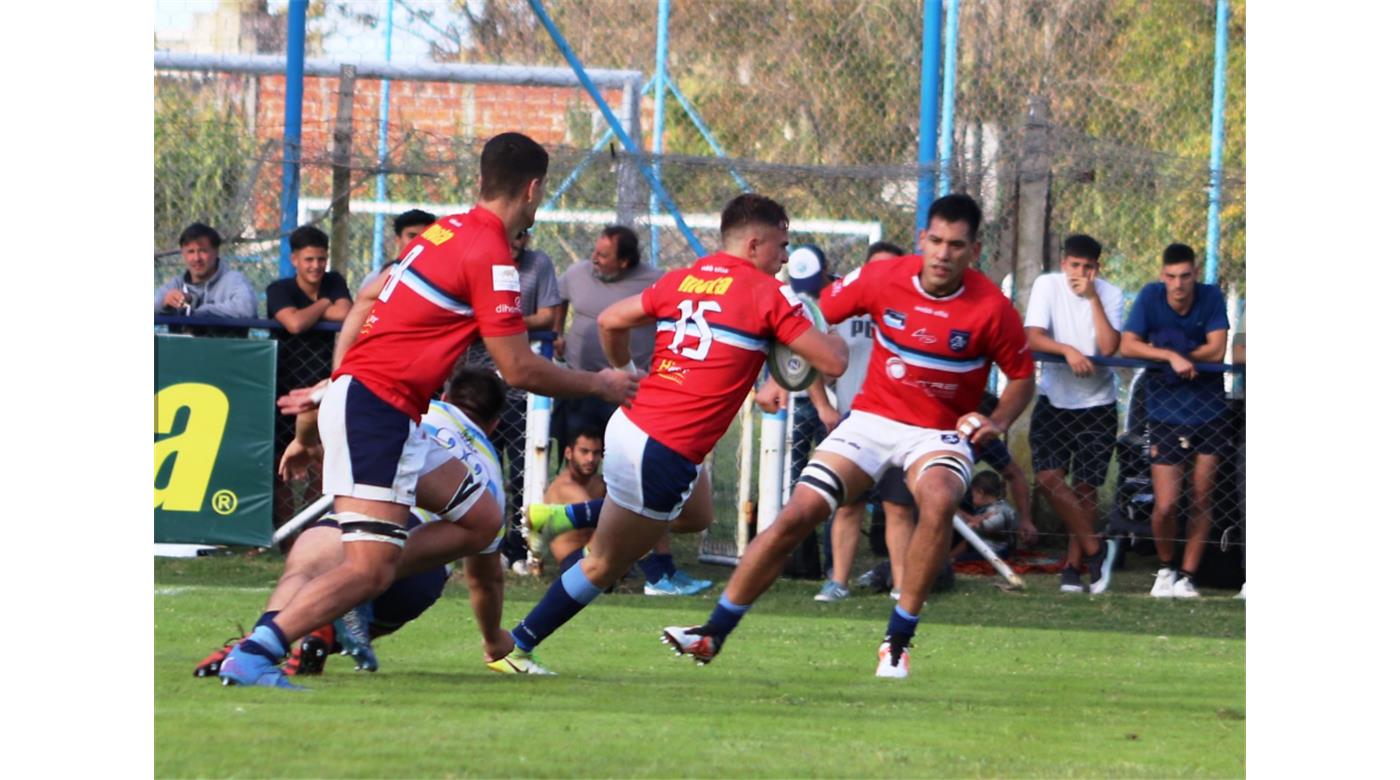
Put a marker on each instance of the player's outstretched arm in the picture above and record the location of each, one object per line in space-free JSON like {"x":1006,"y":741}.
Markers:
{"x":826,"y":352}
{"x":487,"y":585}
{"x":614,"y":326}
{"x":524,"y":369}
{"x":355,"y":318}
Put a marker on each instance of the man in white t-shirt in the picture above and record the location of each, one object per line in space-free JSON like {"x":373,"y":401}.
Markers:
{"x":1076,"y":315}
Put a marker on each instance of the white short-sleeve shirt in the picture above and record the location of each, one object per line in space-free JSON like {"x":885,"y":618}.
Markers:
{"x":1069,"y":319}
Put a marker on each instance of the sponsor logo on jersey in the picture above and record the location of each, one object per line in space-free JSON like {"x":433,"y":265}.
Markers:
{"x":194,"y":449}
{"x":437,"y":235}
{"x":932,"y":311}
{"x":505,"y":278}
{"x":895,"y":368}
{"x":671,"y":371}
{"x":951,"y":438}
{"x":894,"y":319}
{"x":697,"y":286}
{"x":959,"y":339}
{"x":924,"y":337}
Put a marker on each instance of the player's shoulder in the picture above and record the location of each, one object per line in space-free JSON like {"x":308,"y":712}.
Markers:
{"x":981,"y":288}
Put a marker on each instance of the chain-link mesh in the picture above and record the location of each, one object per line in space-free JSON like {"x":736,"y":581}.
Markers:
{"x":813,"y":102}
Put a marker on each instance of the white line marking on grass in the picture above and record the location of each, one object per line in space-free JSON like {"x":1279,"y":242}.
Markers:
{"x":177,"y":590}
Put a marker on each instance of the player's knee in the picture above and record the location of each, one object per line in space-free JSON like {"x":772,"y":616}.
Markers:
{"x":827,"y":484}
{"x":942,"y":481}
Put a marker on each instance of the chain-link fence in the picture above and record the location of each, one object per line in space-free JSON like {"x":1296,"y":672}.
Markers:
{"x":1106,"y":100}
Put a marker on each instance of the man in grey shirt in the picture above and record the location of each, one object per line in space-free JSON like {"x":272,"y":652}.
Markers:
{"x":615,"y":272}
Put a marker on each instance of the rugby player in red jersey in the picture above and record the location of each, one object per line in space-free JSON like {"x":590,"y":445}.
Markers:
{"x":714,"y":323}
{"x":939,"y":326}
{"x":454,"y":284}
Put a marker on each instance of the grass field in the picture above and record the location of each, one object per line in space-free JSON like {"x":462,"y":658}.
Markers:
{"x":1035,"y":684}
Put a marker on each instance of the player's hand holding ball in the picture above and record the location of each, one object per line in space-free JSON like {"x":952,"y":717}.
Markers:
{"x":618,"y":386}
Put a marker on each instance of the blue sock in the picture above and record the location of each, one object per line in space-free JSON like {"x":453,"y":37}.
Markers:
{"x":584,"y":514}
{"x":653,"y":568}
{"x":571,"y":559}
{"x":566,"y":597}
{"x":902,"y":623}
{"x":668,"y":563}
{"x":725,"y":618}
{"x":267,"y":641}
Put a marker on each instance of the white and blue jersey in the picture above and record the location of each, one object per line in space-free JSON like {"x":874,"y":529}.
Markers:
{"x":458,"y":437}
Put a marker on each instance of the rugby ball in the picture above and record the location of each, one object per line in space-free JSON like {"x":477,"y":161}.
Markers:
{"x":792,"y":371}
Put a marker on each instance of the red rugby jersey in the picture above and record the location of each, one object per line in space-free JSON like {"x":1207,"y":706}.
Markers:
{"x":931,"y":356}
{"x":456,"y":282}
{"x":714,"y":323}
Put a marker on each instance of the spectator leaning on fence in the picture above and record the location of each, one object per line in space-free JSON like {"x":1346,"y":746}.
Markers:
{"x":1076,"y":315}
{"x":1181,"y":322}
{"x":208,"y":287}
{"x":297,"y":303}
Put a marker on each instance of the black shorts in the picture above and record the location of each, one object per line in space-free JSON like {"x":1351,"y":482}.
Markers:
{"x":1174,"y":445}
{"x":893,"y":488}
{"x":1078,"y":441}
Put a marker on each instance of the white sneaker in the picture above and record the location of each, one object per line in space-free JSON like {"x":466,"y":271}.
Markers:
{"x":1162,"y":587}
{"x":898,"y":670}
{"x":1240,"y":595}
{"x":1184,"y":588}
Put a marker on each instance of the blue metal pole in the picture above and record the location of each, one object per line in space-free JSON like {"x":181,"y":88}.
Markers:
{"x":658,"y":112}
{"x":587,"y":158}
{"x":928,"y":111}
{"x":617,"y":128}
{"x":705,"y":132}
{"x":381,"y":181}
{"x":291,"y":129}
{"x":950,"y":94}
{"x":1217,"y":140}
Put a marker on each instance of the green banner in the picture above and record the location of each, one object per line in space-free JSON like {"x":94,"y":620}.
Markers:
{"x":213,"y":442}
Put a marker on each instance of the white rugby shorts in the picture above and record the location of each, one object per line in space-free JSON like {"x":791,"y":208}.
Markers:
{"x":875,"y":443}
{"x":372,"y":450}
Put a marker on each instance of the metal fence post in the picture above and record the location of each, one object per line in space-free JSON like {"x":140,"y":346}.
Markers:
{"x":340,"y":170}
{"x":1032,"y":200}
{"x":928,"y":111}
{"x":291,"y":128}
{"x":1217,"y":139}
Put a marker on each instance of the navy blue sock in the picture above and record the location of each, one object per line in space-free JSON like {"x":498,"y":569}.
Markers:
{"x":653,"y":568}
{"x":571,"y":559}
{"x":266,"y":618}
{"x":584,"y":514}
{"x":668,"y":563}
{"x":725,"y":618}
{"x":566,"y":597}
{"x":267,"y":641}
{"x":902,"y":623}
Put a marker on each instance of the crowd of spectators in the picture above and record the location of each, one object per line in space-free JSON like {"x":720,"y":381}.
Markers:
{"x":1072,"y":313}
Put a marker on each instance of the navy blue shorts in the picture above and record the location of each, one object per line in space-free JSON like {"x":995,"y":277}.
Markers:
{"x":1078,"y":441}
{"x":1174,"y":445}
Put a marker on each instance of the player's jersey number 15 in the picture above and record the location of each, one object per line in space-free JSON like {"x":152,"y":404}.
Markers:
{"x":694,"y":312}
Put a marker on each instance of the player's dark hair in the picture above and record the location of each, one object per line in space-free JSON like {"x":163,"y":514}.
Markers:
{"x":1178,"y":253}
{"x":584,"y":432}
{"x":751,"y":208}
{"x":508,"y":162}
{"x":200,"y":230}
{"x":884,"y":246}
{"x":957,"y":208}
{"x":626,"y":240}
{"x":988,"y":482}
{"x":309,"y":235}
{"x":1082,"y":246}
{"x":412,"y":218}
{"x":478,"y":392}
